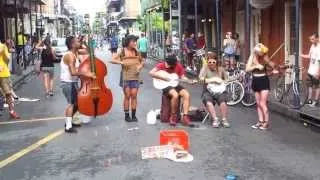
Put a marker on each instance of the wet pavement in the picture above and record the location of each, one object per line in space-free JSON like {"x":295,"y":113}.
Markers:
{"x":106,"y":149}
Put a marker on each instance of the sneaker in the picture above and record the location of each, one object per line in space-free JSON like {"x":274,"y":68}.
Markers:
{"x":134,"y":119}
{"x":216,"y":123}
{"x":71,"y":130}
{"x":225,"y":123}
{"x":128,"y":119}
{"x":51,"y":93}
{"x":173,"y":120}
{"x":14,"y":115}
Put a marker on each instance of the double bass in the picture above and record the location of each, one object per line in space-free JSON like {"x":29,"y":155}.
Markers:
{"x":94,"y":98}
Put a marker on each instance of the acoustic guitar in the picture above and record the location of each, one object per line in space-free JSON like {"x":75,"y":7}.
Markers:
{"x":174,"y":80}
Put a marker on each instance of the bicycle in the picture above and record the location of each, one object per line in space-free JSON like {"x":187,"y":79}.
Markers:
{"x":294,"y":94}
{"x":198,"y":57}
{"x":249,"y":98}
{"x":235,"y":92}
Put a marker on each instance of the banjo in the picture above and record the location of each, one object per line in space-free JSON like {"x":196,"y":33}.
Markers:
{"x":219,"y":88}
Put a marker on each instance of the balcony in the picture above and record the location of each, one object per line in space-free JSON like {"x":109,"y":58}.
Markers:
{"x":113,"y":3}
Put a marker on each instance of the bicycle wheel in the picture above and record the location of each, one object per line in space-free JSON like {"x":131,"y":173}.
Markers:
{"x":279,"y":89}
{"x":235,"y":93}
{"x":296,"y":97}
{"x":249,"y":98}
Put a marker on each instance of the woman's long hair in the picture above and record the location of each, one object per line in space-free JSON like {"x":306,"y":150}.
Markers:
{"x":48,"y":50}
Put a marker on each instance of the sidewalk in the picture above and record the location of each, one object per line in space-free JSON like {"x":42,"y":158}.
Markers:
{"x":307,"y":114}
{"x":17,"y":80}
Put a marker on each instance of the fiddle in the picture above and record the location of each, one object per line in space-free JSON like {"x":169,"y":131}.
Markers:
{"x":94,"y":98}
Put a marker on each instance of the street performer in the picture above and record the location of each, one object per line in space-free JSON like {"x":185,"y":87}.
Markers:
{"x":257,"y":65}
{"x":212,"y":74}
{"x":69,"y":79}
{"x":171,"y":65}
{"x":132,"y":64}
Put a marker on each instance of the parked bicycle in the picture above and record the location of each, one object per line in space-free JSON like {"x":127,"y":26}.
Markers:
{"x":235,"y":90}
{"x":293,"y":93}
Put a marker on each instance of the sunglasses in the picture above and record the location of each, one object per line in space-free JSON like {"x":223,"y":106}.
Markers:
{"x":212,"y":62}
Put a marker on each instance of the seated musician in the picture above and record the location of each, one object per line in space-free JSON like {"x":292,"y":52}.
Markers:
{"x":211,"y":73}
{"x":171,"y":65}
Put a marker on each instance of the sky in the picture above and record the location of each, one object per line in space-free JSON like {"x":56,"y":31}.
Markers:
{"x":88,"y":6}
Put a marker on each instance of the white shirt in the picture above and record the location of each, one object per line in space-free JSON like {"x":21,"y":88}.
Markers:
{"x":65,"y":75}
{"x":314,"y":65}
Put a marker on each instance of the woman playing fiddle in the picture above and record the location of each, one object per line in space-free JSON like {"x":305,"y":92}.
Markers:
{"x":257,"y":64}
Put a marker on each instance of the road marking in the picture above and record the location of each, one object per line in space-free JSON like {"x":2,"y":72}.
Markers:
{"x":32,"y":120}
{"x":28,"y":149}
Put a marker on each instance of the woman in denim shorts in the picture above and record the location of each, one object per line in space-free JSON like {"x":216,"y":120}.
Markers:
{"x":132,"y":64}
{"x":47,"y":67}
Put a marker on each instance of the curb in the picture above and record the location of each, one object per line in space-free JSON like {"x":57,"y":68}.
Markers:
{"x":284,"y":110}
{"x":21,"y":78}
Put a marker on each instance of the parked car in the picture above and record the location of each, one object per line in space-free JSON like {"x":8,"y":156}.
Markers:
{"x":60,"y":47}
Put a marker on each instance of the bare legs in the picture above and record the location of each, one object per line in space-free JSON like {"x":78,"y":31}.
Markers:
{"x":130,"y":100}
{"x":262,"y":108}
{"x":48,"y":83}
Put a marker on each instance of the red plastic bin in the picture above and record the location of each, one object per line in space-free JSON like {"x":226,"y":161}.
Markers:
{"x":179,"y":137}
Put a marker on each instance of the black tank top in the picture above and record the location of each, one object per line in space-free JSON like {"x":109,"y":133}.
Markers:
{"x":46,"y":58}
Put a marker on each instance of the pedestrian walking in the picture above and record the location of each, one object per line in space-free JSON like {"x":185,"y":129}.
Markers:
{"x":257,"y":64}
{"x":69,"y":80}
{"x":132,"y":64}
{"x":5,"y":81}
{"x":47,"y":66}
{"x":114,"y":44}
{"x":314,"y":69}
{"x":189,"y":46}
{"x":143,"y":46}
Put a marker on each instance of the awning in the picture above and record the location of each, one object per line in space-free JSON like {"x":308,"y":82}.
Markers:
{"x":153,"y":8}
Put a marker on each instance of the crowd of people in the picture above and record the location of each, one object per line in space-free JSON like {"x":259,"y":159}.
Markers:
{"x":132,"y":56}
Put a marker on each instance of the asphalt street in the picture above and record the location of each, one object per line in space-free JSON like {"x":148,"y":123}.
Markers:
{"x":106,"y":149}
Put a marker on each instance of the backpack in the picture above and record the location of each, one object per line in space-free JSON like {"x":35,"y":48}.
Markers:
{"x":114,"y":43}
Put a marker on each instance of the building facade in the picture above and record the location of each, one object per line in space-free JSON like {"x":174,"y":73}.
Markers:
{"x":33,"y":17}
{"x":122,"y":16}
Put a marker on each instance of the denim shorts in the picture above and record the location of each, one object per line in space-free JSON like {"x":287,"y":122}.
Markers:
{"x":70,"y":91}
{"x":49,"y":70}
{"x":132,"y":84}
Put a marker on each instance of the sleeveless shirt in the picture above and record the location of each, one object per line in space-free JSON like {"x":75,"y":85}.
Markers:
{"x":65,"y":75}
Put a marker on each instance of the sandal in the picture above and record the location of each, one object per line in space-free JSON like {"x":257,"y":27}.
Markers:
{"x":264,"y":126}
{"x":257,"y":126}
